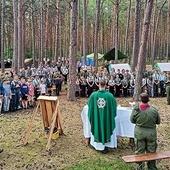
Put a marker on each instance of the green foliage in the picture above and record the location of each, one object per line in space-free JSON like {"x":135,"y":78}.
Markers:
{"x":99,"y":164}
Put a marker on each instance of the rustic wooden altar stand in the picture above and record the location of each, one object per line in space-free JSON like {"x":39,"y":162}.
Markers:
{"x":51,"y":116}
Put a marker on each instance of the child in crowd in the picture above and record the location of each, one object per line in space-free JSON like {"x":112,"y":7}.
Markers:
{"x":30,"y":93}
{"x":7,"y":94}
{"x":1,"y":96}
{"x":77,"y":92}
{"x":42,"y":88}
{"x":36,"y":91}
{"x":24,"y":93}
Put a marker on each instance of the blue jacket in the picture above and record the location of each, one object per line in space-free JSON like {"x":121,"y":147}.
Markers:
{"x":1,"y":90}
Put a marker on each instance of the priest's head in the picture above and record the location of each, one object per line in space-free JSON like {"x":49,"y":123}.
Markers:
{"x":102,"y":84}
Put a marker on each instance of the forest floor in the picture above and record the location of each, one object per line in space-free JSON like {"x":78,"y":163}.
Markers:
{"x":69,"y":151}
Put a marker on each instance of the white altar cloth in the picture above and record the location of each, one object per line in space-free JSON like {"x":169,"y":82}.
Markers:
{"x":123,"y":128}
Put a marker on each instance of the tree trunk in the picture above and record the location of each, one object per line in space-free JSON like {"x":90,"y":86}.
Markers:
{"x":155,"y":35}
{"x":136,"y":35}
{"x":41,"y":29}
{"x":19,"y":35}
{"x":2,"y":34}
{"x":15,"y":36}
{"x":127,"y":30}
{"x":23,"y":35}
{"x":168,"y":33}
{"x":96,"y":33}
{"x":142,"y":52}
{"x":47,"y":31}
{"x":72,"y":52}
{"x":57,"y":31}
{"x":116,"y":27}
{"x":33,"y":32}
{"x":84,"y":29}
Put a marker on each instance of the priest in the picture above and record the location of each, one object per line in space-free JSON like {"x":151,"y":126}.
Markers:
{"x":102,"y":109}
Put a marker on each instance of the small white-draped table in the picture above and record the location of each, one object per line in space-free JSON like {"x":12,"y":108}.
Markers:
{"x":123,"y":128}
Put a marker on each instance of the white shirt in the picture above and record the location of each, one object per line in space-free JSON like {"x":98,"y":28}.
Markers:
{"x":43,"y":88}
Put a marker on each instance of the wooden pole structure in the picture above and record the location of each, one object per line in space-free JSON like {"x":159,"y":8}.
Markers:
{"x":31,"y":124}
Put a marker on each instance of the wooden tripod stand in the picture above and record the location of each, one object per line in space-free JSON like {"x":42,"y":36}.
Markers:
{"x":51,"y":117}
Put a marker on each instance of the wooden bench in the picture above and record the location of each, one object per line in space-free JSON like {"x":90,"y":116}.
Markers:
{"x":146,"y":157}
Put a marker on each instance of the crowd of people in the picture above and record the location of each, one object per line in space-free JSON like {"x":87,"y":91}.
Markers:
{"x":21,"y":90}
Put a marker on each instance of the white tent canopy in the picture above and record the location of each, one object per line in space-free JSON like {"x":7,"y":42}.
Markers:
{"x":162,"y":66}
{"x":120,"y":66}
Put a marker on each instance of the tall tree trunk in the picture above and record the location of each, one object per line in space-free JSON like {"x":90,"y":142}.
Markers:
{"x":41,"y":29}
{"x":84,"y":29}
{"x":142,"y":52}
{"x":72,"y":52}
{"x":127,"y":29}
{"x":57,"y":30}
{"x":116,"y":27}
{"x":136,"y":35}
{"x":47,"y":31}
{"x":2,"y":34}
{"x":155,"y":35}
{"x":96,"y":33}
{"x":19,"y":35}
{"x":168,"y":33}
{"x":33,"y":32}
{"x":15,"y":36}
{"x":23,"y":34}
{"x":78,"y":27}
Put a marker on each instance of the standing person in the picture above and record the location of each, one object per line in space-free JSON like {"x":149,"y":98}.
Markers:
{"x":57,"y":81}
{"x":111,"y":85}
{"x":7,"y":94}
{"x":132,"y":84}
{"x":168,"y":88}
{"x":1,"y":96}
{"x":77,"y":91}
{"x":145,"y":117}
{"x":64,"y":71}
{"x":30,"y":93}
{"x":150,"y":86}
{"x":42,"y":88}
{"x":125,"y":84}
{"x":102,"y":109}
{"x":117,"y":86}
{"x":16,"y":90}
{"x":49,"y":83}
{"x":155,"y":77}
{"x":24,"y":94}
{"x":90,"y":84}
{"x":162,"y":79}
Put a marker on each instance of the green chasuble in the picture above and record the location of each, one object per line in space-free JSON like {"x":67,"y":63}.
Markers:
{"x":102,"y":109}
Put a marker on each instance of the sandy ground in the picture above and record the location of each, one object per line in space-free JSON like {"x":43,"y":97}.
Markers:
{"x":67,"y":149}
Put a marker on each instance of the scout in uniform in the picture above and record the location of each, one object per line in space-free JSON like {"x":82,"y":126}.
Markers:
{"x":168,"y":89}
{"x":150,"y":86}
{"x":64,"y":71}
{"x":132,"y":84}
{"x":117,"y":85}
{"x":125,"y":84}
{"x":145,"y":119}
{"x":57,"y":81}
{"x":162,"y":79}
{"x":90,"y":84}
{"x":155,"y":77}
{"x":83,"y":85}
{"x":111,"y":85}
{"x":96,"y":82}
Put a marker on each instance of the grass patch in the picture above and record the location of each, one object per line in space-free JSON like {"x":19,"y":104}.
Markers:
{"x":99,"y":164}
